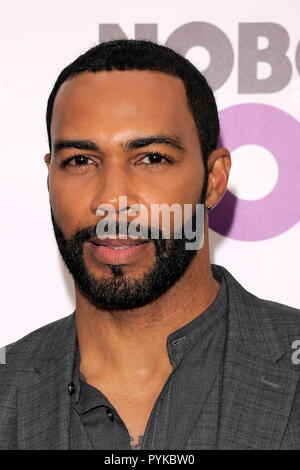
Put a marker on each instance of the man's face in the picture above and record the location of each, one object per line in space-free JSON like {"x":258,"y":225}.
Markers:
{"x":117,"y":117}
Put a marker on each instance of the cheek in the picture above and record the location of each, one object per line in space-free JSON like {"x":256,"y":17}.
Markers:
{"x":70,"y":206}
{"x":192,"y":182}
{"x":183,"y":186}
{"x":189,"y":189}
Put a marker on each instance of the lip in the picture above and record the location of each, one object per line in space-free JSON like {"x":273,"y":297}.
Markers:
{"x":119,"y":241}
{"x":117,"y":251}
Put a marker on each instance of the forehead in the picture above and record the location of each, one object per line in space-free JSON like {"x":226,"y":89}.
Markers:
{"x":119,"y":100}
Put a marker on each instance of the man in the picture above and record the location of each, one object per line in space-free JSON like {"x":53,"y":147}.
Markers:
{"x":163,"y":350}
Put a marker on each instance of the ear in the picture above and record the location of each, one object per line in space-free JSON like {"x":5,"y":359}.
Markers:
{"x":47,"y":159}
{"x":218,"y":164}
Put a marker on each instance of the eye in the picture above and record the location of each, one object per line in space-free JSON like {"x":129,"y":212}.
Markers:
{"x":155,"y":159}
{"x":77,"y":161}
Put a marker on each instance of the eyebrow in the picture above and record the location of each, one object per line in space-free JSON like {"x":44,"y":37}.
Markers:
{"x":77,"y":144}
{"x":173,"y":141}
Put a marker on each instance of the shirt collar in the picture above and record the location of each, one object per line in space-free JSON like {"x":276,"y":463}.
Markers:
{"x":199,"y":327}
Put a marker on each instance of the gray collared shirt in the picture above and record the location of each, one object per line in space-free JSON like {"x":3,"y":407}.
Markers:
{"x":196,"y":353}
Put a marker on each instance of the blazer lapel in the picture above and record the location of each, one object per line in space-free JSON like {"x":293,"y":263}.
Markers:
{"x":259,"y":379}
{"x":43,"y":405}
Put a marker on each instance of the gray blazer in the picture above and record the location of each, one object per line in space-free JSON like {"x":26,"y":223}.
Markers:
{"x":260,"y":399}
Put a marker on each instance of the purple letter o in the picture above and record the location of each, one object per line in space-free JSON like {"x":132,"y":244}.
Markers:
{"x":269,"y":216}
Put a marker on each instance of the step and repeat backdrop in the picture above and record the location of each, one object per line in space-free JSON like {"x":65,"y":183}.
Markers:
{"x":250,"y":53}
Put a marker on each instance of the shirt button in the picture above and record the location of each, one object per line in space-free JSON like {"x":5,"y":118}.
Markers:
{"x":110,"y":415}
{"x":71,"y":388}
{"x":178,"y":340}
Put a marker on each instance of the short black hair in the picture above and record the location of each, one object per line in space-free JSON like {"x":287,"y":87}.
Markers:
{"x":131,"y":54}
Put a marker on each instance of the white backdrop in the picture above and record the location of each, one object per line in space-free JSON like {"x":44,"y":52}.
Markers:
{"x":37,"y":39}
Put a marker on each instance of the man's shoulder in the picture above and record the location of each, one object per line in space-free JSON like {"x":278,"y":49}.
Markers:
{"x":285,"y":318}
{"x":279,"y":310}
{"x":23,"y":351}
{"x":38,"y":334}
{"x":260,"y":311}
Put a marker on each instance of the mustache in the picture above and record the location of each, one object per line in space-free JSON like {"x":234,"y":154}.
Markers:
{"x":88,"y":233}
{"x":146,"y":232}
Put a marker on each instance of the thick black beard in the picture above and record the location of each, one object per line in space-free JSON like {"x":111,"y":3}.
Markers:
{"x":119,"y":292}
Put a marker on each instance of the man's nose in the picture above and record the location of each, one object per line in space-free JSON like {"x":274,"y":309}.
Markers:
{"x":116,"y":188}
